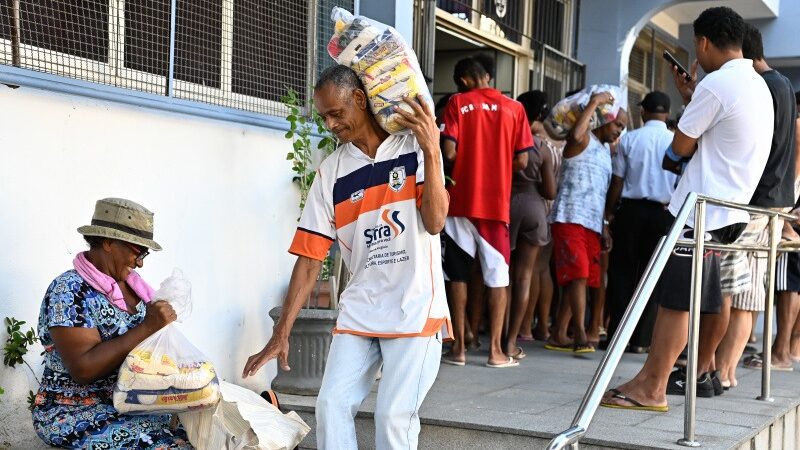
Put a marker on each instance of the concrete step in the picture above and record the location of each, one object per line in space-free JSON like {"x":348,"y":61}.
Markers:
{"x":475,"y":407}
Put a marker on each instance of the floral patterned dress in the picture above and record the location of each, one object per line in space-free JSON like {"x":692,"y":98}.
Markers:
{"x":72,"y":415}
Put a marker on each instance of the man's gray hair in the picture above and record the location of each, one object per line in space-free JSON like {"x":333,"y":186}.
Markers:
{"x":340,"y":76}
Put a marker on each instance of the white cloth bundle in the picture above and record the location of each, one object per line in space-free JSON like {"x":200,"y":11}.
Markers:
{"x":243,"y":420}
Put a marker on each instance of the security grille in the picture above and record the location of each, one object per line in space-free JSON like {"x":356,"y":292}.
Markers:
{"x":555,"y":73}
{"x":502,"y":19}
{"x":242,"y":54}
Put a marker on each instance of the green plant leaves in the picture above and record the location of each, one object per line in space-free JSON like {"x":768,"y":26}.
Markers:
{"x":31,"y":400}
{"x":304,"y":121}
{"x":17,"y":342}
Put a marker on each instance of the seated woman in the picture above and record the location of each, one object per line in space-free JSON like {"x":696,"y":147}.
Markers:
{"x":90,"y":318}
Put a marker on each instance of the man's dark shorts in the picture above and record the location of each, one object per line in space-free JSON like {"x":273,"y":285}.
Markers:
{"x":674,"y":288}
{"x":787,"y":272}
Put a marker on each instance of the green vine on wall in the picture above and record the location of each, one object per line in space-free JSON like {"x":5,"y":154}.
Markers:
{"x":304,"y":123}
{"x":16,"y":347}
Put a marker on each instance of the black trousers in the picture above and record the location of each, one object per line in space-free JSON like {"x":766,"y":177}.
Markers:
{"x":637,"y":227}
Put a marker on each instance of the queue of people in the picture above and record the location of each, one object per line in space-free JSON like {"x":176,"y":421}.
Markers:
{"x":523,"y":217}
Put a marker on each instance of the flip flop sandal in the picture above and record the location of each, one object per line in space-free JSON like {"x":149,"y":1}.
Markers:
{"x":583,"y":348}
{"x":634,"y":405}
{"x":559,"y":348}
{"x":511,"y":362}
{"x":521,"y":338}
{"x":755,"y":362}
{"x":453,"y":362}
{"x":519,"y":355}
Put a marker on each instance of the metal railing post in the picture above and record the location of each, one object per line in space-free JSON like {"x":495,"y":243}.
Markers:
{"x":170,"y":91}
{"x":610,"y":361}
{"x":570,"y":437}
{"x":688,"y":439}
{"x":16,"y":34}
{"x":768,"y":310}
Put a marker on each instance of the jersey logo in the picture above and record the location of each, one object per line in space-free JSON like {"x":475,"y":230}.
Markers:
{"x":357,"y":196}
{"x":397,"y":178}
{"x":388,"y":230}
{"x":394,"y":222}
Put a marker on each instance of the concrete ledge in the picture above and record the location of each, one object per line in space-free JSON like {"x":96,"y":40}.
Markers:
{"x":476,"y":407}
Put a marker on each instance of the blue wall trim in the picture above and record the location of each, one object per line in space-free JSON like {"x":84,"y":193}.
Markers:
{"x":30,"y":78}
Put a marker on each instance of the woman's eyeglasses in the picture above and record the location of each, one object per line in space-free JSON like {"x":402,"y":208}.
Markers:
{"x":141,"y":252}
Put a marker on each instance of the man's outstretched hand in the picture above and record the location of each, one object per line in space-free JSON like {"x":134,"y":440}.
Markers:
{"x":277,"y":347}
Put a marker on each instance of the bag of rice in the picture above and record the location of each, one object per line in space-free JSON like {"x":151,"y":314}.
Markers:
{"x":566,"y":112}
{"x":165,"y":373}
{"x":383,"y":60}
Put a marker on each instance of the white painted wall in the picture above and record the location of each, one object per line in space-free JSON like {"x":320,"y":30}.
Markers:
{"x":224,"y":204}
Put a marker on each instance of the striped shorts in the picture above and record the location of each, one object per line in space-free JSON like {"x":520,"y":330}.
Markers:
{"x":735,"y":272}
{"x":787,"y":272}
{"x":753,"y":298}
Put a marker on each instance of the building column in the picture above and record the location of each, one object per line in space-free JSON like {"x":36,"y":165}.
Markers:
{"x":606,"y":33}
{"x":397,"y":13}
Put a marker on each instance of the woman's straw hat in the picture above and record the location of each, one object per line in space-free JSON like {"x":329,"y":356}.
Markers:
{"x":117,"y":218}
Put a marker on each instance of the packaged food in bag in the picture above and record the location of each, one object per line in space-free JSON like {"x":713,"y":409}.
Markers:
{"x":165,"y":373}
{"x":384,"y":62}
{"x":566,"y":112}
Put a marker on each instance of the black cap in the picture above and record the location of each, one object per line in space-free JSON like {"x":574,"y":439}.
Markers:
{"x":656,"y":102}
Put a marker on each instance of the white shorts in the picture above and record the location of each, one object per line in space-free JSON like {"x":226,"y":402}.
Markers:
{"x":464,"y":237}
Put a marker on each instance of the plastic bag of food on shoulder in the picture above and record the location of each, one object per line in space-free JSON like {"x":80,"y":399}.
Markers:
{"x":566,"y":112}
{"x":385,"y":63}
{"x":166,"y":373}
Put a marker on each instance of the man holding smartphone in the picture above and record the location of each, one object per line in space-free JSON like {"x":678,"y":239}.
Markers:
{"x":726,"y":130}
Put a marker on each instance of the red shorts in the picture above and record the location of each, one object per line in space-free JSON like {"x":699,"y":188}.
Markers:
{"x":576,"y":251}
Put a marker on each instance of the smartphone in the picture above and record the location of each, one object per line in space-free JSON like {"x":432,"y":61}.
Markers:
{"x":681,"y":70}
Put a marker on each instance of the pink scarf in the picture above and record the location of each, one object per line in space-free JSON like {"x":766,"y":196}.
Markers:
{"x":108,"y":286}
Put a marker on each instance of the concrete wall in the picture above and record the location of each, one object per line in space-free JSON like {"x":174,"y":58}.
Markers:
{"x":780,"y":34}
{"x":397,"y":13}
{"x":224,"y":203}
{"x":605,"y":45}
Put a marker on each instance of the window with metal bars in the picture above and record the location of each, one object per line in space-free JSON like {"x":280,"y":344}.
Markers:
{"x":553,"y":23}
{"x":243,"y":54}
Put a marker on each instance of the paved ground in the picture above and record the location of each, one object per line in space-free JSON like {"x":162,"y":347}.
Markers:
{"x":540,"y":398}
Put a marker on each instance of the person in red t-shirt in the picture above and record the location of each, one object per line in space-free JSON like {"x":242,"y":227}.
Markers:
{"x":487,"y":137}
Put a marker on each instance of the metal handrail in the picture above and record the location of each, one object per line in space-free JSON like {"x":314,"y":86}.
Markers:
{"x":608,"y":364}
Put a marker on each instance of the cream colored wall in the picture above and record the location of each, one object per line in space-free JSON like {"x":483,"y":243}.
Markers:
{"x":224,"y":204}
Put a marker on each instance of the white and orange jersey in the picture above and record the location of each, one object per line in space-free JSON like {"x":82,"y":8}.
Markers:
{"x":371,"y":207}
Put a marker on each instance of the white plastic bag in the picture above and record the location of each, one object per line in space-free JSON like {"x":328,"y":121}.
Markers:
{"x":243,"y":420}
{"x":383,"y":60}
{"x":165,"y":373}
{"x":566,"y":112}
{"x":178,"y":292}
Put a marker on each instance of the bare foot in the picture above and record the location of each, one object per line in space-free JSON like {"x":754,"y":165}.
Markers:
{"x":794,"y":347}
{"x":593,"y":337}
{"x":788,"y":233}
{"x":541,"y":335}
{"x":455,"y":357}
{"x":559,"y":342}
